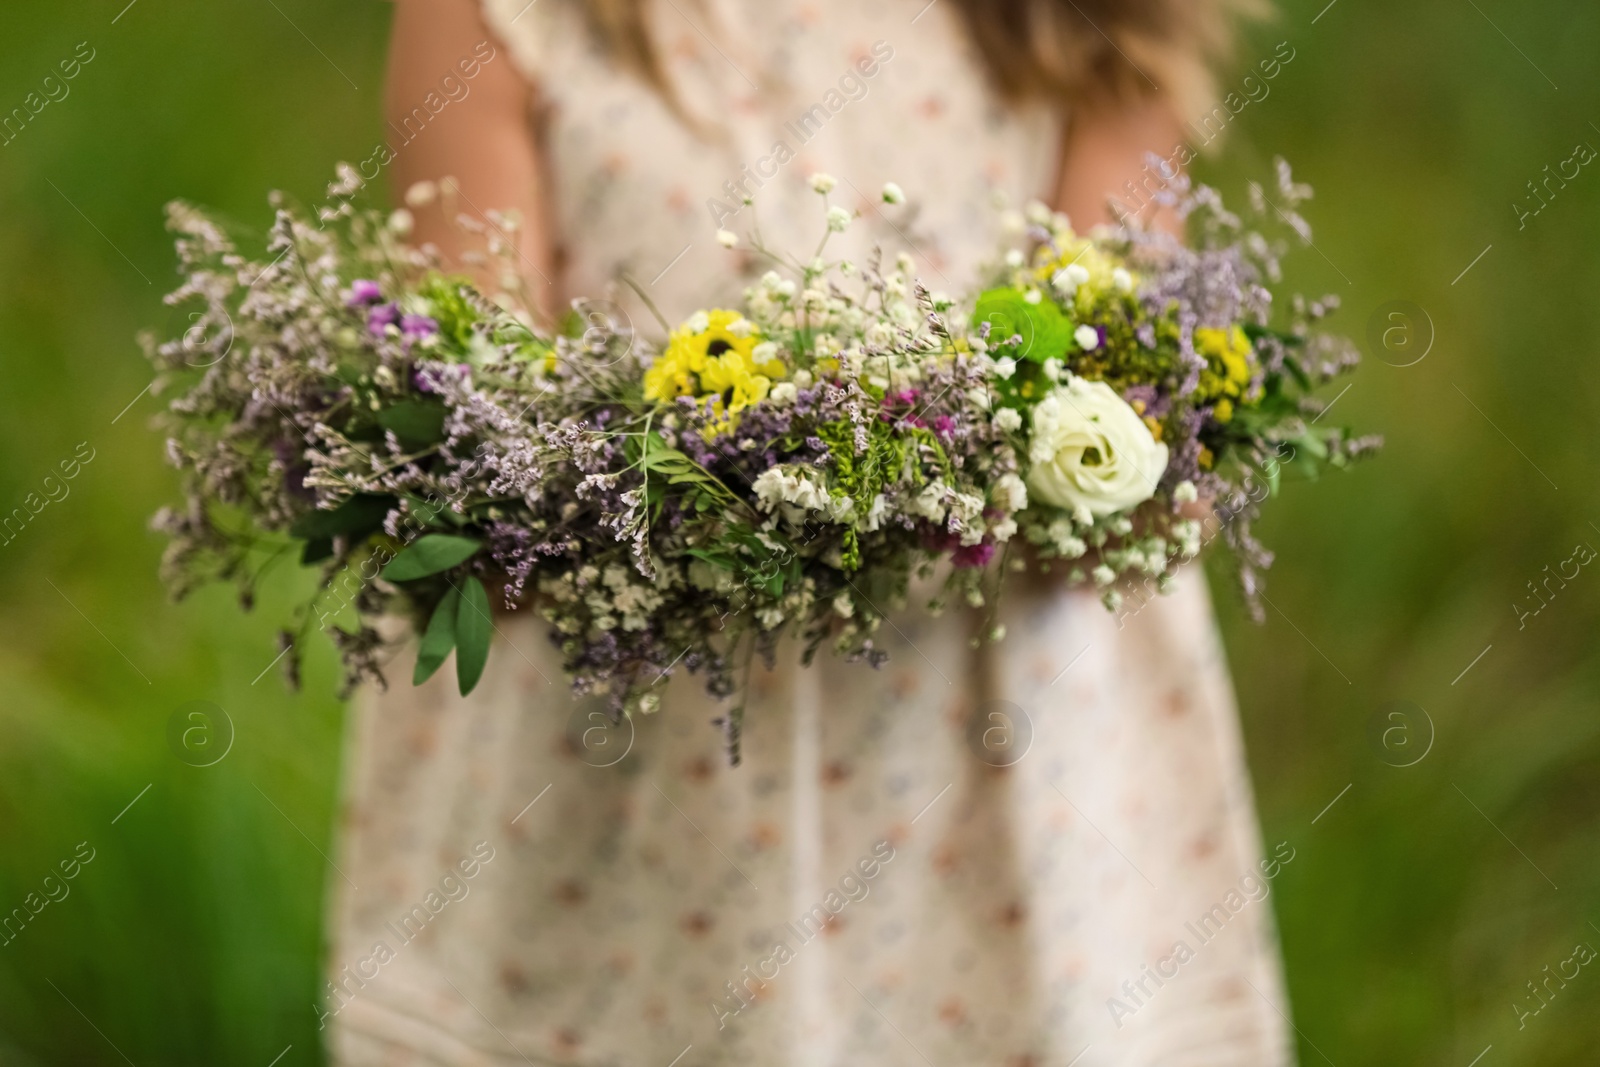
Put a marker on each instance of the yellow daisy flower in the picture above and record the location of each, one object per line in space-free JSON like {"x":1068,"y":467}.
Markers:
{"x":1228,"y":366}
{"x":712,"y":355}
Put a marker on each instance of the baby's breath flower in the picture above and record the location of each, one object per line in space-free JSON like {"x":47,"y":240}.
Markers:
{"x":823,"y":183}
{"x":727,"y":238}
{"x":421,"y":194}
{"x":893,"y":194}
{"x":838,"y":219}
{"x":1068,"y":278}
{"x":1010,"y":491}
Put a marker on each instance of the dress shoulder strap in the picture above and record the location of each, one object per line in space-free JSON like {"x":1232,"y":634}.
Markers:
{"x":524,"y":28}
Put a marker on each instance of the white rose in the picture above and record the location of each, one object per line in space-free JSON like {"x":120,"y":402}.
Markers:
{"x":1091,"y":452}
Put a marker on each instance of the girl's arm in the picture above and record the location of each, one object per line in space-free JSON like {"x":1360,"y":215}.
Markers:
{"x":1105,"y":149}
{"x":483,"y":137}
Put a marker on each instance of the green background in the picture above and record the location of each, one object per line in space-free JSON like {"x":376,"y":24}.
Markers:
{"x":1420,"y":903}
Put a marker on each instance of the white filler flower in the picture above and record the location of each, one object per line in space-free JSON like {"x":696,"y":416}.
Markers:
{"x":1091,"y":451}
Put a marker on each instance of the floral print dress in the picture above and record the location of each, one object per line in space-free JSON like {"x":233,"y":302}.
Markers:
{"x":1043,"y":853}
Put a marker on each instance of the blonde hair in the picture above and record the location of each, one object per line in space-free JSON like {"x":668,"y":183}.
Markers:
{"x":1086,"y":53}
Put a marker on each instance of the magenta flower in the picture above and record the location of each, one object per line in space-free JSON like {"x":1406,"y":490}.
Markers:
{"x":363,"y":292}
{"x":381,"y":316}
{"x":972,"y":556}
{"x":418,"y":326}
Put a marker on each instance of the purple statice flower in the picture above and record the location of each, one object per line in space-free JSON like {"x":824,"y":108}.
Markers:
{"x":511,"y":548}
{"x":1183,"y":463}
{"x":1155,"y":403}
{"x":363,"y":292}
{"x":433,"y":377}
{"x":806,"y":400}
{"x":381,"y":317}
{"x":418,"y":326}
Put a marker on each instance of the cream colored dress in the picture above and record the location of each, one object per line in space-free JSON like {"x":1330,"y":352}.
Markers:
{"x":958,"y":860}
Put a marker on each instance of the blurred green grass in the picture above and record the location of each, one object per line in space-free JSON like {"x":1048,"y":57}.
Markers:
{"x":1422,"y":900}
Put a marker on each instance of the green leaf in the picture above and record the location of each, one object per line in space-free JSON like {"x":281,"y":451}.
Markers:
{"x":1313,"y":444}
{"x":713,"y":558}
{"x":1298,"y":371}
{"x":455,"y":314}
{"x":439,"y":639}
{"x":1044,"y":330}
{"x":430,"y":554}
{"x":360,"y":515}
{"x":474,"y":627}
{"x":418,"y":423}
{"x":1256,"y":333}
{"x":316,"y":551}
{"x":438,"y":515}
